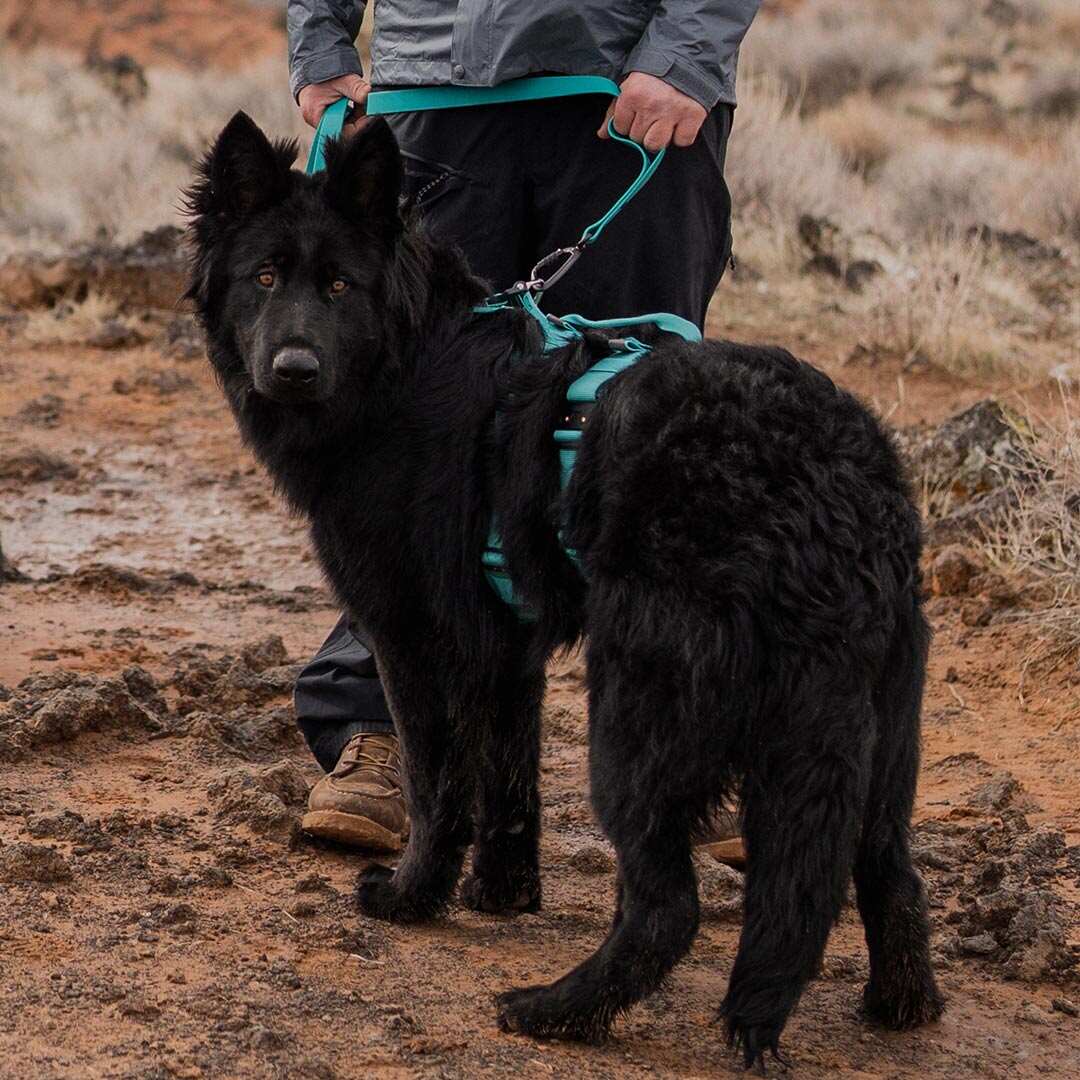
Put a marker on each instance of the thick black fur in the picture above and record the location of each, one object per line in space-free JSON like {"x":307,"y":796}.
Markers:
{"x":751,"y":595}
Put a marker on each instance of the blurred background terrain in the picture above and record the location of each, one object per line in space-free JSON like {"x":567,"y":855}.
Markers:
{"x":906,"y":182}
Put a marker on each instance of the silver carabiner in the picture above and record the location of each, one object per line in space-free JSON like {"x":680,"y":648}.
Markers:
{"x":570,"y":255}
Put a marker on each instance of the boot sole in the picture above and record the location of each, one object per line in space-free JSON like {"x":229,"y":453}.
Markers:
{"x":351,"y":829}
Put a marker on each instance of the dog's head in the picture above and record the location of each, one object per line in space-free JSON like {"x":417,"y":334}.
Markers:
{"x":287,"y":269}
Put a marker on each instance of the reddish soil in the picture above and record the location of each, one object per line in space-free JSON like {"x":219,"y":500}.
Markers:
{"x":194,"y":34}
{"x":184,"y":929}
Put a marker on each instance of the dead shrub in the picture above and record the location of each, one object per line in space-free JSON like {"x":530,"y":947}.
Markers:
{"x":1037,"y":535}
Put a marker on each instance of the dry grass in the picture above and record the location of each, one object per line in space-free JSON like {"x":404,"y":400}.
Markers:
{"x":76,"y":163}
{"x":70,"y":322}
{"x":1038,"y":537}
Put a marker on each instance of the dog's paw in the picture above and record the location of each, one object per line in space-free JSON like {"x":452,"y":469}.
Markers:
{"x":377,"y":896}
{"x":754,"y":1041}
{"x":541,"y":1011}
{"x":903,"y":1006}
{"x":501,"y":894}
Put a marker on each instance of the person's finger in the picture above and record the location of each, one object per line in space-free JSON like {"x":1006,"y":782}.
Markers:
{"x":642,"y":123}
{"x":354,"y":88}
{"x":356,"y":123}
{"x":603,"y":132}
{"x":658,"y":135}
{"x":623,"y":115}
{"x":686,"y":131}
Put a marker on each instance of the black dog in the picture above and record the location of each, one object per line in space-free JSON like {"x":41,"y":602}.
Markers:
{"x":750,"y":589}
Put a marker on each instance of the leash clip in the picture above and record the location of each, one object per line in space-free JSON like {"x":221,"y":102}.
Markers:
{"x":569,"y":255}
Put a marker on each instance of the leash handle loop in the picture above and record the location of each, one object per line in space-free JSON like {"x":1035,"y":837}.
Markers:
{"x":330,"y":126}
{"x":649,"y":165}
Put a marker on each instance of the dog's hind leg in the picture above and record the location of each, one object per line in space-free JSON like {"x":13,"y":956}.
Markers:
{"x":439,"y":785}
{"x":901,"y":991}
{"x":639,"y":801}
{"x":802,"y":807}
{"x":506,"y":863}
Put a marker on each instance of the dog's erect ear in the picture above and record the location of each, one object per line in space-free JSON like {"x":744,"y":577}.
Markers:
{"x":243,"y":172}
{"x":363,"y":176}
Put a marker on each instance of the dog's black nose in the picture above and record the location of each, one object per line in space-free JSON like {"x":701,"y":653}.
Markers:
{"x":298,"y":367}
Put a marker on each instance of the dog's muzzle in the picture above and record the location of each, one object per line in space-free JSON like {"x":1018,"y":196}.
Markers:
{"x":296,"y":368}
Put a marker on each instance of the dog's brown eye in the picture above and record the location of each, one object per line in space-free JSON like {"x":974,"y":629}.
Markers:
{"x":338,"y":286}
{"x":265,"y":278}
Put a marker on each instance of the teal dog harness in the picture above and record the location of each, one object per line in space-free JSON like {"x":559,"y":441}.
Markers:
{"x":558,"y":331}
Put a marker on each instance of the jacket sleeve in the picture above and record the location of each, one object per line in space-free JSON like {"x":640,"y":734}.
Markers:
{"x":321,"y":36}
{"x":691,"y":44}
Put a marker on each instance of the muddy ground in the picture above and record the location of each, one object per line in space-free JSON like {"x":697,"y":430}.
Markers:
{"x":160,"y":914}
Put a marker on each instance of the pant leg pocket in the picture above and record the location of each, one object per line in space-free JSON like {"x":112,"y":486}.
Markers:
{"x":426,"y":182}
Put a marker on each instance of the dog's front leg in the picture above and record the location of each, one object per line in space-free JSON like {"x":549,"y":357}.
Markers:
{"x":506,"y":867}
{"x":439,"y":788}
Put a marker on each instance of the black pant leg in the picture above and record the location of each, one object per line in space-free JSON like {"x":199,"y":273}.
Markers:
{"x":338,"y":695}
{"x":666,"y":250}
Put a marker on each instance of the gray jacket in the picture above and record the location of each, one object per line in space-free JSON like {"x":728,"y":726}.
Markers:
{"x":691,"y":44}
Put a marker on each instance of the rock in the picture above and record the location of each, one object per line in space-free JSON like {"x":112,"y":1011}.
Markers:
{"x":951,"y":572}
{"x":161,"y":381}
{"x":286,"y":781}
{"x":8,"y":570}
{"x":996,"y":794}
{"x":32,"y":862}
{"x":254,"y":798}
{"x":266,"y":653}
{"x":184,"y":339}
{"x":1038,"y":939}
{"x":142,"y":686}
{"x":177,"y":914}
{"x":592,"y":859}
{"x":969,"y":455}
{"x":122,"y":75}
{"x":139,"y":1008}
{"x":263,"y":1039}
{"x":312,"y":883}
{"x":1018,"y":244}
{"x":117,"y":580}
{"x":1064,"y":1005}
{"x":94,"y":705}
{"x":114,"y":334}
{"x":149,"y":273}
{"x":44,"y":411}
{"x":979,"y":945}
{"x":35,"y":466}
{"x":853,"y":258}
{"x":1030,"y":1013}
{"x":1041,"y":850}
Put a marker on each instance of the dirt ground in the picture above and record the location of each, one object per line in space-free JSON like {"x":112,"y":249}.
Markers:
{"x":160,"y":916}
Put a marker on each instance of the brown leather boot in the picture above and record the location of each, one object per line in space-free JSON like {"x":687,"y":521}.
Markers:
{"x":361,"y":802}
{"x":722,"y":840}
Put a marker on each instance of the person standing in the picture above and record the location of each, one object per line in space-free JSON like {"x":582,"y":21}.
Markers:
{"x":507,"y":184}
